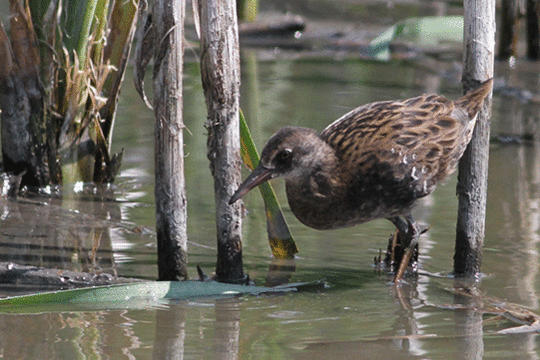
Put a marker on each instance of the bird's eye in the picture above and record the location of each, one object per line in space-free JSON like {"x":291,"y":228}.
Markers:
{"x":285,"y":155}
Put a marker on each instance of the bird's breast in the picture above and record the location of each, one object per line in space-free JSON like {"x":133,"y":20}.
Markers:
{"x":361,"y":199}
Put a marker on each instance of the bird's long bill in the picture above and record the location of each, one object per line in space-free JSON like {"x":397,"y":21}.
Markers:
{"x":257,"y":177}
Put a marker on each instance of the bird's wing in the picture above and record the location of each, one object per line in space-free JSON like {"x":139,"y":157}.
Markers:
{"x":415,"y":140}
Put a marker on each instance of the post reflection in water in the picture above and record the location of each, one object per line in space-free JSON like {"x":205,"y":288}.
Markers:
{"x":221,"y":337}
{"x":468,"y":323}
{"x":170,"y":333}
{"x":227,"y":329}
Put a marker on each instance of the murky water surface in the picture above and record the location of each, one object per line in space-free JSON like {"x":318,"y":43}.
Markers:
{"x":360,"y":315}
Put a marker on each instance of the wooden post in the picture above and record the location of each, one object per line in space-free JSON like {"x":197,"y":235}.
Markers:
{"x":479,"y":48}
{"x":533,"y":30}
{"x":220,"y":71}
{"x":509,"y":28}
{"x":171,"y":211}
{"x":23,"y":129}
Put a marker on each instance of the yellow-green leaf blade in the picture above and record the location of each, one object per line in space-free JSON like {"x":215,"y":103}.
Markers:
{"x":279,"y":235}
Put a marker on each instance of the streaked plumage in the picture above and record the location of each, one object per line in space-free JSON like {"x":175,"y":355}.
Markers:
{"x":373,"y":162}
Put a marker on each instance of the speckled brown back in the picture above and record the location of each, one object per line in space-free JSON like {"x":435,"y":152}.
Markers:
{"x":411,"y":145}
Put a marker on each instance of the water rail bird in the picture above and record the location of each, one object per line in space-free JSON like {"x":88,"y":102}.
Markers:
{"x":373,"y":162}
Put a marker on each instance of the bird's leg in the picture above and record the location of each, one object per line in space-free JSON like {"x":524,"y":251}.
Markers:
{"x":395,"y":247}
{"x":400,"y":224}
{"x":396,"y":243}
{"x":413,"y":234}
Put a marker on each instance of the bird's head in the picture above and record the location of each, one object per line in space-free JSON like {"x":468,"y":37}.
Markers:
{"x":291,"y":153}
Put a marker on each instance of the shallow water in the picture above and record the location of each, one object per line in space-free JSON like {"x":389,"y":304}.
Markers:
{"x":359,"y":315}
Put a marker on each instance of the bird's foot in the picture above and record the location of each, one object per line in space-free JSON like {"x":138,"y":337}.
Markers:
{"x":395,"y":253}
{"x":402,"y":251}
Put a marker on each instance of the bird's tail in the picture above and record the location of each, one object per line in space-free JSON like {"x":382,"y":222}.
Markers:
{"x":474,"y":99}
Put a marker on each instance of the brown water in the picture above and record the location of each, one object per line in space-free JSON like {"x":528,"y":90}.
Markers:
{"x":360,"y":315}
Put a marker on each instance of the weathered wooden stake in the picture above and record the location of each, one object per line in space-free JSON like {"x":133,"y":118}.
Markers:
{"x":23,"y":129}
{"x":479,"y":48}
{"x":220,"y":71}
{"x":533,"y":30}
{"x":508,"y":39}
{"x":171,"y":211}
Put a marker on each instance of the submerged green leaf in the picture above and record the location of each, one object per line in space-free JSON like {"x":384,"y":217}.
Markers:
{"x":136,"y":295}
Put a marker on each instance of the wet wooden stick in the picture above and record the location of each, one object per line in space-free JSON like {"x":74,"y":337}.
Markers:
{"x":479,"y":48}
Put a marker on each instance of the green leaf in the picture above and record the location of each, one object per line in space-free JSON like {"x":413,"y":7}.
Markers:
{"x":247,"y":10}
{"x":79,"y":18}
{"x":122,"y":26}
{"x":279,"y":235}
{"x":136,"y":295}
{"x":98,"y":29}
{"x":426,"y":32}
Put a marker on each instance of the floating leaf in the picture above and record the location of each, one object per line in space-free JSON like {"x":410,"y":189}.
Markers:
{"x":136,"y":295}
